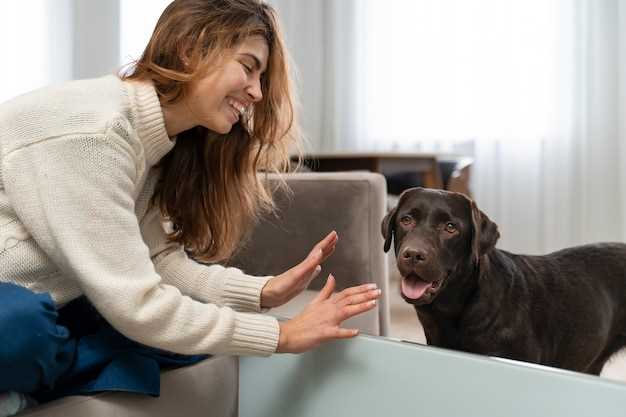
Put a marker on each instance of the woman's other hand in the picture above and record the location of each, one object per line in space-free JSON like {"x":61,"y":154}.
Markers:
{"x":282,"y":288}
{"x":321,"y":319}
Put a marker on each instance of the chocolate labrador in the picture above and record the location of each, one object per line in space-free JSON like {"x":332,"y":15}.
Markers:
{"x":566,"y":309}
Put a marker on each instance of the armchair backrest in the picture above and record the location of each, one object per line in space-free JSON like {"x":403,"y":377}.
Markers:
{"x":352,"y":203}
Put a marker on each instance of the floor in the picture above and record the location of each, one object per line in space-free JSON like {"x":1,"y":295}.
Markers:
{"x":406,"y":326}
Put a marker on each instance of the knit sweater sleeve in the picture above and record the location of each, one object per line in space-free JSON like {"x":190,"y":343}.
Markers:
{"x":74,"y":194}
{"x":229,"y":287}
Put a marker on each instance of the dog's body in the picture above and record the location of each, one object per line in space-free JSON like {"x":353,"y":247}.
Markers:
{"x":566,"y":309}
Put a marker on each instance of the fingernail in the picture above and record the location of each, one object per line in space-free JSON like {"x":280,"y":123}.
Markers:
{"x":380,"y":291}
{"x":372,"y":286}
{"x":373,"y":302}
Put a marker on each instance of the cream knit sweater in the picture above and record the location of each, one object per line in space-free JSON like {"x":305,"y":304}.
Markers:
{"x":76,"y":176}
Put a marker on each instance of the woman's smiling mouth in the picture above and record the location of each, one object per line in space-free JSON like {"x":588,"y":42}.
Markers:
{"x":237,"y":105}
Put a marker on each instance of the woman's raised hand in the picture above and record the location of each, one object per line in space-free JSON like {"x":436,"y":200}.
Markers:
{"x":282,"y":288}
{"x":321,"y":319}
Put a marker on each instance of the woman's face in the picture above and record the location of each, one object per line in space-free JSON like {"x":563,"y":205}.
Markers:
{"x":218,"y":100}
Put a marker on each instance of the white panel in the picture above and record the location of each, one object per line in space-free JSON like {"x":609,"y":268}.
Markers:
{"x":371,"y":376}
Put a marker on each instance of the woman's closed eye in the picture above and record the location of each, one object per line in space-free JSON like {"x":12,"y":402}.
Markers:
{"x":247,"y":68}
{"x":249,"y":63}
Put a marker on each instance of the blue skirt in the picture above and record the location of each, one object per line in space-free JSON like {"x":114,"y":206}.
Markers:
{"x":50,"y":353}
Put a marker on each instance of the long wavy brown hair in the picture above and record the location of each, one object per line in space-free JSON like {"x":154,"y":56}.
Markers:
{"x":210,"y":187}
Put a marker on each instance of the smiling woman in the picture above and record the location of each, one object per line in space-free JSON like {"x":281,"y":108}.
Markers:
{"x":115,"y":181}
{"x":221,"y":79}
{"x":218,"y":99}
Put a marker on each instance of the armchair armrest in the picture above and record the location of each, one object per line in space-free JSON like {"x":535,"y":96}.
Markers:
{"x":353,"y":204}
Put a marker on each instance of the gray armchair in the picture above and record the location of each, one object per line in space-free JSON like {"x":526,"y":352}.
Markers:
{"x":353,"y":204}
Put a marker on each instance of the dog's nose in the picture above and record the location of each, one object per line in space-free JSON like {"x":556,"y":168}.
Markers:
{"x":414,"y":255}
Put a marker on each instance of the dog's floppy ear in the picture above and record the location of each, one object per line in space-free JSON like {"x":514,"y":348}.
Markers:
{"x":485,"y":233}
{"x":388,"y":227}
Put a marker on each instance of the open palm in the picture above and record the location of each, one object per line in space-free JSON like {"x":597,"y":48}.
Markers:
{"x":289,"y":284}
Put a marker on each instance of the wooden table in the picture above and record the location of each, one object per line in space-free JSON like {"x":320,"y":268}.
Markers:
{"x":389,"y":163}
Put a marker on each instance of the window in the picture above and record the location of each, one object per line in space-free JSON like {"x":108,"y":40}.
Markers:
{"x":457,"y":69}
{"x":137,"y":21}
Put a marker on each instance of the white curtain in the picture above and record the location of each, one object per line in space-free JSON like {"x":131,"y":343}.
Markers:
{"x":533,"y":89}
{"x":46,"y":42}
{"x":321,"y":36}
{"x":137,"y":21}
{"x":35,"y":38}
{"x":565,"y":185}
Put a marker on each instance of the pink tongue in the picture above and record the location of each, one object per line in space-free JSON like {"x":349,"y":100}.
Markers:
{"x":414,"y":288}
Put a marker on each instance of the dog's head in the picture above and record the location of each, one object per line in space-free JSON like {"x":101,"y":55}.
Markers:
{"x":435,"y":233}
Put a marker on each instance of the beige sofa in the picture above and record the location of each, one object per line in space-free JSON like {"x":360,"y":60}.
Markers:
{"x":353,"y":204}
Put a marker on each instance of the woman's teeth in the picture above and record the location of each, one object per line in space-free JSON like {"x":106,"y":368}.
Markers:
{"x":237,"y":106}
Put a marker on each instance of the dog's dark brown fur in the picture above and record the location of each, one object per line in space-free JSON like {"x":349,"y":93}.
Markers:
{"x":566,"y":309}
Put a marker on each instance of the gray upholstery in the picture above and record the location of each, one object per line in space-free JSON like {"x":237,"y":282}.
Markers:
{"x":351,"y":203}
{"x":209,"y":388}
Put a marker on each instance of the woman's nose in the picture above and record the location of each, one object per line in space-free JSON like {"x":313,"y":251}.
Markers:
{"x":254,"y":90}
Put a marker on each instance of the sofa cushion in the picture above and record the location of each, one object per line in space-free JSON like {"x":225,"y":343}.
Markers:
{"x":207,"y":388}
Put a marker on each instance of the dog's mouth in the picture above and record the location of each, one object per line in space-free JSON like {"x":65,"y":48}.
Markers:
{"x":414,"y":288}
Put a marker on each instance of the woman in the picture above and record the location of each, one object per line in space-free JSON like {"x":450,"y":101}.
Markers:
{"x":91,"y":274}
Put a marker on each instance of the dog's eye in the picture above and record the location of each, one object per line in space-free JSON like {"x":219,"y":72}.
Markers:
{"x":450,"y":227}
{"x":406,"y":220}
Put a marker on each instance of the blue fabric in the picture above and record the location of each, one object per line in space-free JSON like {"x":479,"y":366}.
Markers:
{"x":51,"y":354}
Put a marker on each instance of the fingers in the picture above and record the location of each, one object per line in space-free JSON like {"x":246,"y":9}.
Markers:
{"x":327,"y":252}
{"x":322,"y":249}
{"x":353,"y":291}
{"x":329,"y":240}
{"x":306,"y":267}
{"x":345,"y":333}
{"x":359,"y":298}
{"x":327,"y":245}
{"x":320,"y":321}
{"x":314,"y":258}
{"x":327,"y":291}
{"x":355,"y":309}
{"x":320,"y":252}
{"x":315,"y":273}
